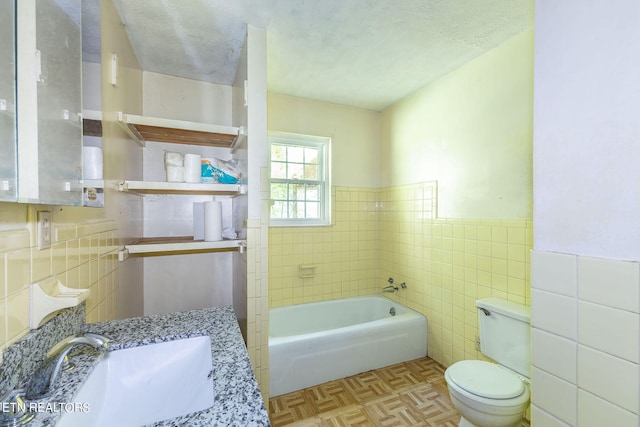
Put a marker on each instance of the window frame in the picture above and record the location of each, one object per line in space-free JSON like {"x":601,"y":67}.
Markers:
{"x":323,"y":144}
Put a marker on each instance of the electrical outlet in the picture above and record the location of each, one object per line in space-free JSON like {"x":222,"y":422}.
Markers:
{"x":477,"y":342}
{"x":44,"y":229}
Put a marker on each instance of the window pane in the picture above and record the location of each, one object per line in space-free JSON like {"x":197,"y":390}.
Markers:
{"x":295,"y":171}
{"x":296,"y":209}
{"x":279,"y":210}
{"x":298,"y":188}
{"x":279,"y":152}
{"x":279,"y":191}
{"x":311,"y":172}
{"x":295,"y":154}
{"x":313,"y":210}
{"x":313,"y":192}
{"x":278,"y":170}
{"x":296,"y":192}
{"x":311,"y":155}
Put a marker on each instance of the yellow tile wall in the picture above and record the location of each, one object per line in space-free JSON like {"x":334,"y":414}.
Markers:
{"x":394,"y":232}
{"x":345,"y":254}
{"x":257,"y":303}
{"x":81,"y":256}
{"x":450,"y":263}
{"x":257,"y":258}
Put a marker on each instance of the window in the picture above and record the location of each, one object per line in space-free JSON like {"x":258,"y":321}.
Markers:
{"x":299,"y":179}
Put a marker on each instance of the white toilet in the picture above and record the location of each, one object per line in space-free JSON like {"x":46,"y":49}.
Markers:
{"x":490,"y":395}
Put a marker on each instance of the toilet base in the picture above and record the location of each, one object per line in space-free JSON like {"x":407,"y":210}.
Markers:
{"x":466,"y":423}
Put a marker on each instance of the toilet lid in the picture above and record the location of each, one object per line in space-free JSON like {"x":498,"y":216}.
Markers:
{"x":485,"y":379}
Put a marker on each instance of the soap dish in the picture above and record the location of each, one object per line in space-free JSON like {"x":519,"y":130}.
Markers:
{"x":48,"y":296}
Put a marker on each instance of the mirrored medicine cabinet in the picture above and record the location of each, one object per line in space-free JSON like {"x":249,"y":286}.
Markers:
{"x":8,"y":159}
{"x":41,"y":102}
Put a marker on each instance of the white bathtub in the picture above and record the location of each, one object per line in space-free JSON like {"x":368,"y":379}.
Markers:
{"x":313,"y":343}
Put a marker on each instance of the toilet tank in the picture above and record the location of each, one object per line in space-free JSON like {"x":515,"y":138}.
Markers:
{"x":505,"y":334}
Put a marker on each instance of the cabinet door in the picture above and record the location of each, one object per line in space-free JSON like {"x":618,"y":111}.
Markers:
{"x":49,"y":102}
{"x":8,"y":159}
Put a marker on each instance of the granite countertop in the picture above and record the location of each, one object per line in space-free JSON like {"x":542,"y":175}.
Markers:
{"x":237,"y":400}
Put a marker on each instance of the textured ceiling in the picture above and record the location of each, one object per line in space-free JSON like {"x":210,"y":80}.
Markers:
{"x":364,"y":53}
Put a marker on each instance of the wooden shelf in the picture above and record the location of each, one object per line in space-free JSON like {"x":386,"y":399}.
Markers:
{"x":178,"y":245}
{"x":92,"y":123}
{"x":143,"y":128}
{"x":186,"y":188}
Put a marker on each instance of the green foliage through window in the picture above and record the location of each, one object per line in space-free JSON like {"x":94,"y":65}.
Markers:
{"x":299,"y":183}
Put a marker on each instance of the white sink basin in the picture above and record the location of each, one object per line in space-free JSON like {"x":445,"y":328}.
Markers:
{"x":145,"y":384}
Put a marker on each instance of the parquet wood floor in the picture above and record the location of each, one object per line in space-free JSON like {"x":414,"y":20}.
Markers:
{"x":407,"y":394}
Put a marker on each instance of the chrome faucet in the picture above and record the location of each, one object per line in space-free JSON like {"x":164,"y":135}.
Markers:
{"x":391,"y":288}
{"x":14,"y":410}
{"x":43,"y":379}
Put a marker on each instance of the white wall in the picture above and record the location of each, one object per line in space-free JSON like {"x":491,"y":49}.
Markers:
{"x":257,"y":254}
{"x":92,"y":86}
{"x":354,"y":133}
{"x":122,"y":157}
{"x":470,"y":131}
{"x":183,"y":282}
{"x":585,"y":274}
{"x":586,"y":153}
{"x":241,"y":203}
{"x":183,"y":99}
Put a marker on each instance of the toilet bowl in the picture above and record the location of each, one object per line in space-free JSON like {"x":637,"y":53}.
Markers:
{"x":486,"y":394}
{"x":489,"y":394}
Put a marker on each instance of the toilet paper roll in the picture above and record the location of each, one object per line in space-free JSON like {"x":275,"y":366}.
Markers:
{"x":173,"y":159}
{"x":212,"y":221}
{"x":192,"y":168}
{"x":175,"y":173}
{"x":91,"y":162}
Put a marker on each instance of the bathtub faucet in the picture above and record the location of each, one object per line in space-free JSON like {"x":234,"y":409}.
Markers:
{"x":390,"y":289}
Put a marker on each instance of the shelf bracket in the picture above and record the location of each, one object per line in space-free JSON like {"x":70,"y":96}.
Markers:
{"x":123,"y":187}
{"x":242,"y":189}
{"x":123,"y":254}
{"x":131,"y":131}
{"x":238,"y":140}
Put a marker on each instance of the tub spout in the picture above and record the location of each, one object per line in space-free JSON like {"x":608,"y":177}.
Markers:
{"x":391,"y":289}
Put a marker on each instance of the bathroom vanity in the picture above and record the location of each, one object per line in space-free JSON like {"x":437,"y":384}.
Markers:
{"x":236,"y":397}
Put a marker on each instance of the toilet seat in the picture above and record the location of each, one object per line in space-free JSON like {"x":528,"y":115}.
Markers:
{"x":485,"y":379}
